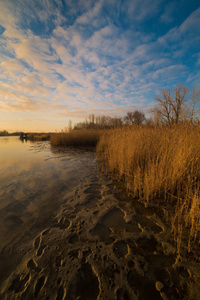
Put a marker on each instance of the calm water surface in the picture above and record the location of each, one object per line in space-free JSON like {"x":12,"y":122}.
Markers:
{"x":34,"y":178}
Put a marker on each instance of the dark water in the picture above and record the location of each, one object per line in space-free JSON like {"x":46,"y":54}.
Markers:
{"x":33,"y":180}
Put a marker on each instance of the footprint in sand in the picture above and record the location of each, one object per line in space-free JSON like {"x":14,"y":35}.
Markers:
{"x":37,"y":242}
{"x":93,"y":189}
{"x":62,"y":224}
{"x":39,"y":285}
{"x":120,"y":249}
{"x":111,"y":220}
{"x":31,"y":265}
{"x":73,"y":238}
{"x":133,"y":227}
{"x":147,"y":244}
{"x":41,"y":250}
{"x":102,"y":231}
{"x":45,"y":232}
{"x":18,"y":284}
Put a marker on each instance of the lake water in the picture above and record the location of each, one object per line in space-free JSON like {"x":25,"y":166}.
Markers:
{"x":69,"y":232}
{"x":34,"y":177}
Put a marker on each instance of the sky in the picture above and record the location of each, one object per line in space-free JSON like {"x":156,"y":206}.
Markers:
{"x":66,"y":59}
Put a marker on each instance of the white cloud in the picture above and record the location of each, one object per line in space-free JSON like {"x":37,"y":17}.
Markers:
{"x":92,"y":63}
{"x":191,"y":24}
{"x":185,"y":33}
{"x":90,"y":16}
{"x":12,"y":68}
{"x":140,"y":10}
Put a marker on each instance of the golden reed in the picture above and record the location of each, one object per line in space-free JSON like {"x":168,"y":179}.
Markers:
{"x":159,"y":163}
{"x":76,"y":138}
{"x":38,"y":137}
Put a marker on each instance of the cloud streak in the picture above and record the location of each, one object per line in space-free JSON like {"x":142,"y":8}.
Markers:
{"x":65,"y":60}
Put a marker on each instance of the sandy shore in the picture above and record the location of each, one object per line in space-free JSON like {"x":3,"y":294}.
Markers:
{"x":100,"y":245}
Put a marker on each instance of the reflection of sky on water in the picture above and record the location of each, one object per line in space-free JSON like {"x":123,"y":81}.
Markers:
{"x":36,"y":182}
{"x":31,"y":171}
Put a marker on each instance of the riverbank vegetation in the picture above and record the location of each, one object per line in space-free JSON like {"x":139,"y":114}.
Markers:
{"x":76,"y":138}
{"x":38,"y":136}
{"x":6,"y":133}
{"x":159,"y":164}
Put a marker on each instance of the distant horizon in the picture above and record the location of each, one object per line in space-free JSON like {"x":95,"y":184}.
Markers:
{"x":63,"y":60}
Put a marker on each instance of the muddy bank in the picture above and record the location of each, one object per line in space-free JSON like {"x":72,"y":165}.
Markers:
{"x":101,"y":245}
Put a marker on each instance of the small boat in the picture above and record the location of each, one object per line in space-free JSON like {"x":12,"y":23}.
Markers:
{"x":23,"y":136}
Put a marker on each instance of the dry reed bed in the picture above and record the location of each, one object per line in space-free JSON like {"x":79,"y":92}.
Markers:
{"x":76,"y":138}
{"x":159,"y":163}
{"x":38,"y":137}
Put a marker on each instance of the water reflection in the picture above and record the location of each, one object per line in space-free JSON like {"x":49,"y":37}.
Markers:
{"x":34,"y":177}
{"x":23,"y":140}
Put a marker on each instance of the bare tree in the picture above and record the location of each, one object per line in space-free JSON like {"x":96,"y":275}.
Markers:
{"x":180,"y":92}
{"x":164,"y":108}
{"x":194,"y":108}
{"x":171,"y":106}
{"x":69,"y":126}
{"x":157,"y":117}
{"x":116,"y":122}
{"x":91,"y":118}
{"x":134,"y":117}
{"x":139,"y":117}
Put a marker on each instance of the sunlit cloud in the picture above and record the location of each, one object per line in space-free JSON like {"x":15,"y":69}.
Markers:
{"x":62,"y":60}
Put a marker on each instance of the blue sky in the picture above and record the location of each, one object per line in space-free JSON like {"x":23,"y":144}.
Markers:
{"x":66,"y":59}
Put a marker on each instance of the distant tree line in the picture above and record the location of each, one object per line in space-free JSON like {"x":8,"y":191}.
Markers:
{"x":6,"y":133}
{"x":105,"y":122}
{"x":172,"y":107}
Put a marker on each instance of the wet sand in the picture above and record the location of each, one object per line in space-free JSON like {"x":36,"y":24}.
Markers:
{"x":97,"y":244}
